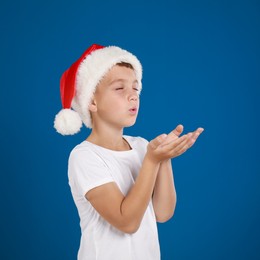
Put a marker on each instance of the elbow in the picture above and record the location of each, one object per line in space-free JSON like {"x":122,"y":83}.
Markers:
{"x":130,"y":231}
{"x":162,"y":218}
{"x":164,"y":214}
{"x":130,"y":228}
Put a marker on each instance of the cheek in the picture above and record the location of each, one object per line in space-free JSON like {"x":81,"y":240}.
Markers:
{"x":110,"y":105}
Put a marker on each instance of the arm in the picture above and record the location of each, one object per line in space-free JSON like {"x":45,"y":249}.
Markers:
{"x":126,"y":212}
{"x":164,"y":196}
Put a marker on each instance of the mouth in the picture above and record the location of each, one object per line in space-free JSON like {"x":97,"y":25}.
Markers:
{"x":133,"y":110}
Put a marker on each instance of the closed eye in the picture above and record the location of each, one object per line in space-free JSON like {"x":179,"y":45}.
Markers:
{"x":135,"y":86}
{"x":119,"y":88}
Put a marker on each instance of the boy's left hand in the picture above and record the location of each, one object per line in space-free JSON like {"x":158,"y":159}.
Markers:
{"x":173,"y":135}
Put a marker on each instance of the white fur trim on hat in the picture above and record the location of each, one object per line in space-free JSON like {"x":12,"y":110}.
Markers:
{"x":67,"y":122}
{"x":92,"y":70}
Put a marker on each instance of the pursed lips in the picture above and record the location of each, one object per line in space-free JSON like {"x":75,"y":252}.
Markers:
{"x":133,"y":110}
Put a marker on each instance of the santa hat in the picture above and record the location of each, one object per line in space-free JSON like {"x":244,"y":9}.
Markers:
{"x":79,"y":82}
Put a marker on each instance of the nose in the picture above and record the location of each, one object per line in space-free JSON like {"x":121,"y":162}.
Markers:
{"x":133,"y":96}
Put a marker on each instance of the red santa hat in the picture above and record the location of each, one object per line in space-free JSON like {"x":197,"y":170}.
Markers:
{"x":78,"y":84}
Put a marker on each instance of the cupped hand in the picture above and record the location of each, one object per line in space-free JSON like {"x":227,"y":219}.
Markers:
{"x":172,"y":145}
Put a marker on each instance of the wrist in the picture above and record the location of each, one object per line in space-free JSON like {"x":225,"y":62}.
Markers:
{"x":152,"y":161}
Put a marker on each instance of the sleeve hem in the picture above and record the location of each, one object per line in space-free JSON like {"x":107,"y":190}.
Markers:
{"x":96,"y":184}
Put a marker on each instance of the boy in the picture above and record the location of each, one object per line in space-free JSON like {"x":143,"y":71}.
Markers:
{"x":120,"y":184}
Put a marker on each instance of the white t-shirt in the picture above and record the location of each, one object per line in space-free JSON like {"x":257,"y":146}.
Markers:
{"x":90,"y":166}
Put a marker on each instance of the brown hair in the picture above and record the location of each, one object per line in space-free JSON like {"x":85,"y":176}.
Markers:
{"x":125,"y":64}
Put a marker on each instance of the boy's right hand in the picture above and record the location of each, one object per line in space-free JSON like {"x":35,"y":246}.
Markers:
{"x":165,"y":147}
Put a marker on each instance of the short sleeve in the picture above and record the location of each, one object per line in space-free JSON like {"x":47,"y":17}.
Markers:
{"x":144,"y":142}
{"x":138,"y":143}
{"x":86,"y":170}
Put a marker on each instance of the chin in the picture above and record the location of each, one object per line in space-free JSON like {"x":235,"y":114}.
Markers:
{"x":128,"y":124}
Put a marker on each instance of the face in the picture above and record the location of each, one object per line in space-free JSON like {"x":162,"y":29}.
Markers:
{"x":116,"y":100}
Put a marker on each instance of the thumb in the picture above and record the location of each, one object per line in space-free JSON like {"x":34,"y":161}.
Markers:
{"x":173,"y":135}
{"x":157,"y":141}
{"x":178,"y":130}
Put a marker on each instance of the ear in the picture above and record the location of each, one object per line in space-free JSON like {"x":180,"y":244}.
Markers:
{"x":92,"y":106}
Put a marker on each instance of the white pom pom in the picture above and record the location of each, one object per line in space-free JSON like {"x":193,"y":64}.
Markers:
{"x":67,"y":122}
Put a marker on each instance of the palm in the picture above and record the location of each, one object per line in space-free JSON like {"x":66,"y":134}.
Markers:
{"x":172,"y":145}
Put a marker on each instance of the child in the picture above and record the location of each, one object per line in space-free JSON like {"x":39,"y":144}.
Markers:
{"x":120,"y":184}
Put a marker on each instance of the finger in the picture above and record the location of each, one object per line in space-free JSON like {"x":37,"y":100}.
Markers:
{"x":178,"y":130}
{"x":189,"y":142}
{"x":199,"y":130}
{"x":157,"y":141}
{"x":173,"y":144}
{"x":174,"y":134}
{"x":197,"y":133}
{"x":186,"y":144}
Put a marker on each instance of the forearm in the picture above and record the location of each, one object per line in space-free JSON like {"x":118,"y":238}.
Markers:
{"x":164,"y":196}
{"x":155,"y":178}
{"x":126,"y":212}
{"x":135,"y":203}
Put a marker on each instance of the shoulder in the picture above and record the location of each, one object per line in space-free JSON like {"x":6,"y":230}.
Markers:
{"x":85,"y":159}
{"x":137,"y":142}
{"x":80,"y":149}
{"x":85,"y":153}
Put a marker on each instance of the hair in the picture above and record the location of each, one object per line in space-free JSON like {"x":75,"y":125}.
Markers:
{"x":125,"y":64}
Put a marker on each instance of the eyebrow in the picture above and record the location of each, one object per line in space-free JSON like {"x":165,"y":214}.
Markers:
{"x":120,"y":80}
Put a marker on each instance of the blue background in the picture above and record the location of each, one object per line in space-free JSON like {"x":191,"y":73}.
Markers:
{"x":201,"y":68}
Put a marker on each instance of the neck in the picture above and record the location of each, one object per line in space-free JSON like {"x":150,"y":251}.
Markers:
{"x":107,"y":137}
